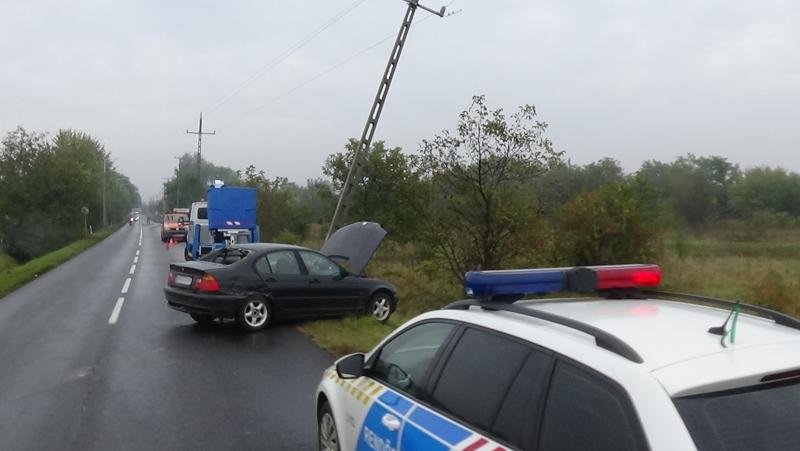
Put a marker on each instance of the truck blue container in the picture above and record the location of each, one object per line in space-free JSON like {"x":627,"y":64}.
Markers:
{"x":231,"y":219}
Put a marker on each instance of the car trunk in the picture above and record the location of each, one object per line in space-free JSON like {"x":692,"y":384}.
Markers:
{"x":184,"y":275}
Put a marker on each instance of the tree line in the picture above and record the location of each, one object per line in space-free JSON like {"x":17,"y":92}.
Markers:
{"x":46,"y":182}
{"x":495,"y":193}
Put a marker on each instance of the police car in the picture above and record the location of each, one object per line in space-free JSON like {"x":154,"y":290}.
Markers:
{"x":628,"y":369}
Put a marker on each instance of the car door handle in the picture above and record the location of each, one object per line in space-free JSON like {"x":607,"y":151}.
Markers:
{"x":390,"y":422}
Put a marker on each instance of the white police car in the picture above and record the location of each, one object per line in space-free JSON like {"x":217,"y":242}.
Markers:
{"x":627,"y":370}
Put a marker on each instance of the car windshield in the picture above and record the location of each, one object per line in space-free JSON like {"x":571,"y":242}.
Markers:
{"x":174,"y":218}
{"x":755,"y":418}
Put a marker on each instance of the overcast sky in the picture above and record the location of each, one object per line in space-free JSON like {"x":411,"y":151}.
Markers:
{"x":632,"y":80}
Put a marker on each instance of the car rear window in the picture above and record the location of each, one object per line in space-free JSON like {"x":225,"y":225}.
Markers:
{"x":226,"y":256}
{"x":202,"y":213}
{"x":173,"y":218}
{"x":765,"y":417}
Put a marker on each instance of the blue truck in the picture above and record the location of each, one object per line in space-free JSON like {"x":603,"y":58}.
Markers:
{"x":228,"y":217}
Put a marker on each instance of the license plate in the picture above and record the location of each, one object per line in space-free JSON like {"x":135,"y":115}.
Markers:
{"x":183,"y":280}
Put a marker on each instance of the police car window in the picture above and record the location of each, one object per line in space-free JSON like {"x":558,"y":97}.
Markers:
{"x":283,"y":262}
{"x":586,"y":412}
{"x":756,"y":418}
{"x":404,"y":362}
{"x":479,"y":359}
{"x":319,"y":265}
{"x":522,"y":405}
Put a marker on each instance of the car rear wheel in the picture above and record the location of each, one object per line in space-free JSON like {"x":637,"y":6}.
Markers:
{"x":380,"y":306}
{"x":201,"y":318}
{"x":328,"y":437}
{"x":255,"y":314}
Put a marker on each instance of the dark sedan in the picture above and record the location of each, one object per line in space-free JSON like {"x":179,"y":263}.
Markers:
{"x":262,"y":282}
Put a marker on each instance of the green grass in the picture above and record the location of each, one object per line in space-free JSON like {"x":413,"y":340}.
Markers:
{"x":346,"y":335}
{"x":764,"y":272}
{"x":14,"y":277}
{"x":6,"y":262}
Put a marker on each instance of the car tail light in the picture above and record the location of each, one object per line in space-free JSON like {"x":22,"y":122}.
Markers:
{"x":206,"y":283}
{"x":171,"y":278}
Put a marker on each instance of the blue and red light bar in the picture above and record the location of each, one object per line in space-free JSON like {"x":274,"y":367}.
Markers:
{"x":519,"y":282}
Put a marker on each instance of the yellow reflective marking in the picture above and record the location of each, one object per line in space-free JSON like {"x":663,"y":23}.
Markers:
{"x":375,"y":391}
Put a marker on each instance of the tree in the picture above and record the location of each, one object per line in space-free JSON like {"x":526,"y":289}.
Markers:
{"x":388,"y":190}
{"x":480,"y":210}
{"x":188,"y":184}
{"x":618,"y":223}
{"x":44,"y":185}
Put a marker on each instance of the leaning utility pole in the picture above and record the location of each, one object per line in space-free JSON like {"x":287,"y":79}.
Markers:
{"x":200,"y":134}
{"x":345,"y":197}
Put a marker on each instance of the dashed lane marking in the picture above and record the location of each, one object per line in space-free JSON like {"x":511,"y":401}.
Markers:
{"x":133,"y":269}
{"x":136,"y":259}
{"x":137,"y":252}
{"x":117,"y":308}
{"x":126,"y":285}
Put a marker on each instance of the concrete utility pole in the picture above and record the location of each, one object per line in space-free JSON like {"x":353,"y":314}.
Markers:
{"x":345,"y":197}
{"x":105,"y":220}
{"x":178,"y":183}
{"x":200,"y":134}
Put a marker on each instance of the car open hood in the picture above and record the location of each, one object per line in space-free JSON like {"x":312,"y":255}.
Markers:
{"x":354,"y":244}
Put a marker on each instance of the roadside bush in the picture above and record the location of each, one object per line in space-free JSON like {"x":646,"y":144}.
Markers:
{"x":617,"y":223}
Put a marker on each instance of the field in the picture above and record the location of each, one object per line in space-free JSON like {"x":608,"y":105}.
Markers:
{"x":764,"y":272}
{"x":13,"y":276}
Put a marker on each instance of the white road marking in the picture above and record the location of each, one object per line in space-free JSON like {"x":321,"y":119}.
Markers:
{"x":136,"y":259}
{"x":137,"y":252}
{"x":133,"y":269}
{"x":126,"y":286}
{"x":140,"y":234}
{"x":117,"y":308}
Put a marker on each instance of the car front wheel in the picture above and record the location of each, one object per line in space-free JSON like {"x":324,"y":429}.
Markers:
{"x":328,"y":437}
{"x":255,"y":314}
{"x":380,"y":306}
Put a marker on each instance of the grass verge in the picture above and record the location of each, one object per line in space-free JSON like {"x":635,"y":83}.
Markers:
{"x":765,"y":272}
{"x":16,"y":276}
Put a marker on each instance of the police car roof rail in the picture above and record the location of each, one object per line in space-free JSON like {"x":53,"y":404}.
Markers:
{"x":778,"y":317}
{"x":602,"y":338}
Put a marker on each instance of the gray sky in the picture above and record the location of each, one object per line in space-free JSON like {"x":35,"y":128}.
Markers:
{"x":632,"y":80}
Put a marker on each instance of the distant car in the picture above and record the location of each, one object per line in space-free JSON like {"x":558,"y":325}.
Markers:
{"x":174,"y":225}
{"x":259,"y":283}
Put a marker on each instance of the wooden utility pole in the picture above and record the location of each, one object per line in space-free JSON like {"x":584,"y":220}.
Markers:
{"x":346,"y":196}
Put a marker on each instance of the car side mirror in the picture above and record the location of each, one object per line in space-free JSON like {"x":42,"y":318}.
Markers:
{"x":350,"y":366}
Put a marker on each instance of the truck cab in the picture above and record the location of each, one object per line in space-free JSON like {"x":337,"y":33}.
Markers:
{"x":197,"y":231}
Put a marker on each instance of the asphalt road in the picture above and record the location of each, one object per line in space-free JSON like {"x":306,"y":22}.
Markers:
{"x":72,"y":378}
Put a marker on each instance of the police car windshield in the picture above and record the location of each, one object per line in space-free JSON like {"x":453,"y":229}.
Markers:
{"x":754,"y":418}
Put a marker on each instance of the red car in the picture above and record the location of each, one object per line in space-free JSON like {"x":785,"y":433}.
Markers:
{"x":175,"y":226}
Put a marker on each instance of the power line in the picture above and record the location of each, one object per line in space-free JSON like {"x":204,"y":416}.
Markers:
{"x":330,"y":69}
{"x":273,"y":63}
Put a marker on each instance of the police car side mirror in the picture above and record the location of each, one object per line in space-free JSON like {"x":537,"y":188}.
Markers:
{"x":350,"y":366}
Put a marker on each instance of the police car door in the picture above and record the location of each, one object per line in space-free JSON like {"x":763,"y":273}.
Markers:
{"x":382,"y":401}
